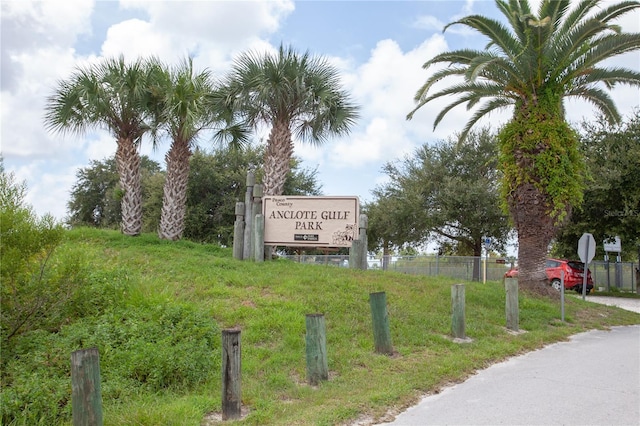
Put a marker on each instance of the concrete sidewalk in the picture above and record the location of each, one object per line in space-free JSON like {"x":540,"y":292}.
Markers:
{"x":621,"y":302}
{"x":593,"y":379}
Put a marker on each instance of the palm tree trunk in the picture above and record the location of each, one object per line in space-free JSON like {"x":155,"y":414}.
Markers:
{"x":276,"y":159}
{"x":128,"y":164}
{"x":174,"y":200}
{"x":530,"y":212}
{"x":538,"y":134}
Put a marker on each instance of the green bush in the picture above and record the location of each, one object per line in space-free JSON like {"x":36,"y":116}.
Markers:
{"x":151,"y":348}
{"x":34,"y":286}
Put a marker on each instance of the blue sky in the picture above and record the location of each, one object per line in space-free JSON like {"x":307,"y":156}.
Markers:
{"x":378,"y":46}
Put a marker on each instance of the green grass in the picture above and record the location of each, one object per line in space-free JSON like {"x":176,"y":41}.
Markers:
{"x":137,"y":281}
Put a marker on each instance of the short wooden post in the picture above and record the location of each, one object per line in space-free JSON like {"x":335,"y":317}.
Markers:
{"x":457,"y":311}
{"x":86,"y":397}
{"x":380,"y":319}
{"x":511,"y":288}
{"x":316,"y":348}
{"x":238,"y":232}
{"x":355,"y":254}
{"x":231,"y":374}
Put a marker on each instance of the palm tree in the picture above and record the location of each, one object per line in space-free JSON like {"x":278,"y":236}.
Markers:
{"x":297,"y":95}
{"x":183,"y":110}
{"x":533,"y":65}
{"x":114,"y":96}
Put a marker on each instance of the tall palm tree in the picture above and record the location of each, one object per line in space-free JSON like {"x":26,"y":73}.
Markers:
{"x":297,"y":95}
{"x":183,"y":110}
{"x":111,"y":95}
{"x":533,"y":65}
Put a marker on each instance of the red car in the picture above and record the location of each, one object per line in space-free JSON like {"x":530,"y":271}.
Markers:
{"x":573,"y":274}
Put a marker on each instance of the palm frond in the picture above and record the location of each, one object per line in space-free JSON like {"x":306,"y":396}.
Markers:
{"x":612,"y":76}
{"x":497,"y":33}
{"x":608,"y":47}
{"x":300,"y":89}
{"x":576,"y":15}
{"x":566,"y":47}
{"x":600,"y":99}
{"x":490,"y":106}
{"x":616,"y":10}
{"x":436,"y":77}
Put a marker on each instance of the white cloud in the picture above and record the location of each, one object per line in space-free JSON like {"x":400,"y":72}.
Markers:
{"x":136,"y":38}
{"x":36,"y":51}
{"x":39,"y":21}
{"x":102,"y":145}
{"x":225,"y":21}
{"x":52,"y":185}
{"x":429,"y":22}
{"x":211,"y":30}
{"x":384,"y":87}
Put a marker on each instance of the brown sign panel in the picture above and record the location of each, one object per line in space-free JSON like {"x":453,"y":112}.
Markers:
{"x":310,"y":221}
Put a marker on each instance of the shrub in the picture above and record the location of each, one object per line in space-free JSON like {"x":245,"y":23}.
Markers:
{"x":36,"y":283}
{"x":150,"y":347}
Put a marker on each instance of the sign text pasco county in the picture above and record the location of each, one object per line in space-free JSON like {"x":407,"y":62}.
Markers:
{"x":310,"y":221}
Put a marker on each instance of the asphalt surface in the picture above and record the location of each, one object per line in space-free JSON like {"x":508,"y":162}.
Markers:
{"x":592,"y":379}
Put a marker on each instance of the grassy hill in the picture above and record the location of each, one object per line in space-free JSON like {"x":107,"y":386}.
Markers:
{"x":155,"y":310}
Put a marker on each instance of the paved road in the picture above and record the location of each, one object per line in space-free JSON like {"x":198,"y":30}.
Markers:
{"x":593,"y":379}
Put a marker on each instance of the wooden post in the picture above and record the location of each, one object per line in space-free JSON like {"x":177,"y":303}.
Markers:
{"x":258,"y":236}
{"x":355,"y":254}
{"x":257,"y":247}
{"x":86,"y":398}
{"x":248,"y":219}
{"x":363,"y":223}
{"x":231,"y":374}
{"x":380,"y":319}
{"x":511,"y":287}
{"x":457,"y":311}
{"x":238,"y":232}
{"x":316,"y":349}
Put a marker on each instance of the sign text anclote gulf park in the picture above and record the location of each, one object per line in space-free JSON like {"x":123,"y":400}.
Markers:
{"x":310,"y":221}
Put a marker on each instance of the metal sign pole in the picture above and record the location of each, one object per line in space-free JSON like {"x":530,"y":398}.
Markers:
{"x":586,"y":253}
{"x":562,"y":294}
{"x":586,"y":268}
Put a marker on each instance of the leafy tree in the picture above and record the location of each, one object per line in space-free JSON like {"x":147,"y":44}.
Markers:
{"x":533,"y":65}
{"x":95,"y":197}
{"x":612,"y":199}
{"x":297,"y":95}
{"x":218,"y":180}
{"x":183,"y":109}
{"x":391,"y":226}
{"x":448,"y":191}
{"x":93,"y":201}
{"x":114,"y":96}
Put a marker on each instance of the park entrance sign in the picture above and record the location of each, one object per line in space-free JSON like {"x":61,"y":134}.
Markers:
{"x":298,"y":221}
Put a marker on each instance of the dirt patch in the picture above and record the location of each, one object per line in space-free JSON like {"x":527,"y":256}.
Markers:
{"x":215,"y":417}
